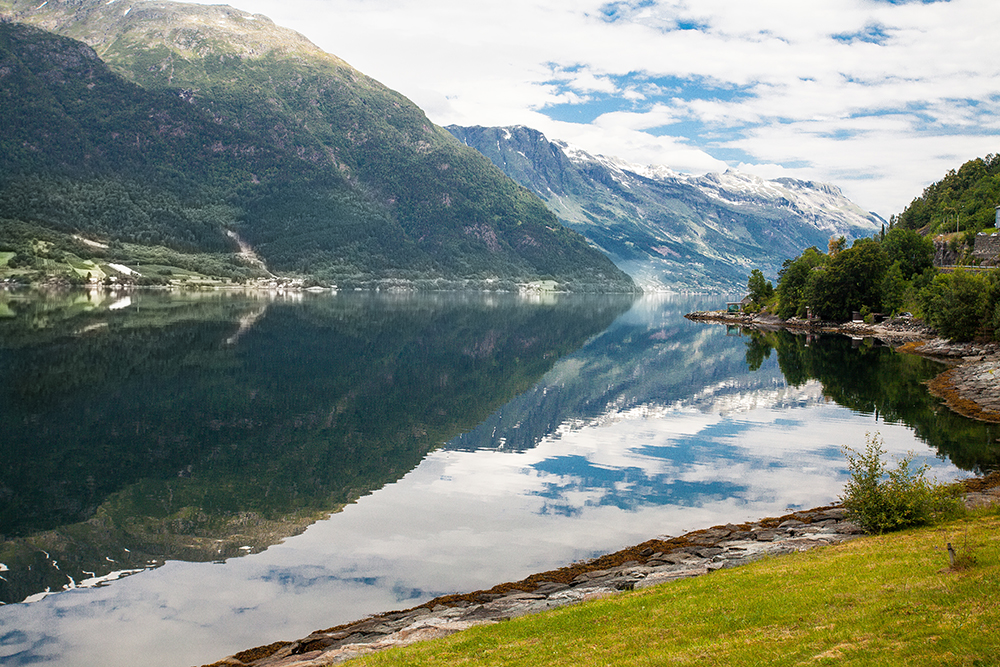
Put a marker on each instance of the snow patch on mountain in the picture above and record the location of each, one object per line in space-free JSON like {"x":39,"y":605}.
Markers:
{"x":822,"y":205}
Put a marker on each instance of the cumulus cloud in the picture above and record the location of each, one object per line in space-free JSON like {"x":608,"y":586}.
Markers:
{"x":877,"y":96}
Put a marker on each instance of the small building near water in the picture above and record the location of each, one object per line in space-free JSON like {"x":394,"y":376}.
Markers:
{"x":738,"y":306}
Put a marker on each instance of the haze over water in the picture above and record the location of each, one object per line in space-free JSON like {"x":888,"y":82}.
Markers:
{"x":201,"y":442}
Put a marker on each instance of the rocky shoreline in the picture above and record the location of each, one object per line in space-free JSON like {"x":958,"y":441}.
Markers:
{"x":971,"y":387}
{"x":648,"y":564}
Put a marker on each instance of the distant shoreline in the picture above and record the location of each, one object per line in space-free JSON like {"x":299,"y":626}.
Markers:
{"x":895,"y":331}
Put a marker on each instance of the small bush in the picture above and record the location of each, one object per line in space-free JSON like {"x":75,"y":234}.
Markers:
{"x":882,"y":500}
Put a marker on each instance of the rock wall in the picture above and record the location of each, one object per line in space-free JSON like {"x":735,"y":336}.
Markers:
{"x":987,"y":249}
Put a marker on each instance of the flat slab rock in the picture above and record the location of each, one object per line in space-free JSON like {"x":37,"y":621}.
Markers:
{"x":698,"y":554}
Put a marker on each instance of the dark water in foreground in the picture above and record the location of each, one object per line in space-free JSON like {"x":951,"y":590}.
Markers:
{"x":170,"y":463}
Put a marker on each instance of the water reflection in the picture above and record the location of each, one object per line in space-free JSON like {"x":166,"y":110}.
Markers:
{"x":872,"y":379}
{"x":643,"y":365}
{"x":201,"y":427}
{"x":654,"y":426}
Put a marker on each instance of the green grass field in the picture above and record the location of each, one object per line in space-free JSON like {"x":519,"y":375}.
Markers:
{"x":889,"y":600}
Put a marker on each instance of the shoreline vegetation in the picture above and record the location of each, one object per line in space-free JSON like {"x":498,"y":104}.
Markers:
{"x":649,"y":564}
{"x":174,"y":279}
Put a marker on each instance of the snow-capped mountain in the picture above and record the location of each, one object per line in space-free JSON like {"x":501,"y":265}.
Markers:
{"x":672,"y":230}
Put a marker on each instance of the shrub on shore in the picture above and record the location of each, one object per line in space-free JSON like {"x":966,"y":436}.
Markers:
{"x":880,"y":499}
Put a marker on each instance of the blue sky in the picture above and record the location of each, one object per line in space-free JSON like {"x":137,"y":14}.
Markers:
{"x":880,"y":97}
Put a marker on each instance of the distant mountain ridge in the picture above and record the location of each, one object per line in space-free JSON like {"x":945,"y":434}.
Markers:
{"x":669,"y":230}
{"x":240,"y":126}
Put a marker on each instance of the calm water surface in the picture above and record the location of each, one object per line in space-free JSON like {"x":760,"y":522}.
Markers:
{"x":184,"y":477}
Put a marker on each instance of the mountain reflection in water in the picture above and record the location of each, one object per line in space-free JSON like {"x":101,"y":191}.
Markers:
{"x":672,"y":365}
{"x":469,"y":439}
{"x":208,"y":426}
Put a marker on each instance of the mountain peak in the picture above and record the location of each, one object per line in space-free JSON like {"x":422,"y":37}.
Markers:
{"x":189,"y":30}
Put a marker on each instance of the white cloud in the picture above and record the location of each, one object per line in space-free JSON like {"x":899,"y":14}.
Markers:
{"x":804,"y":86}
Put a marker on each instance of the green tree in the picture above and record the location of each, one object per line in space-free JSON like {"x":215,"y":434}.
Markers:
{"x":759,"y":288}
{"x":957,"y":304}
{"x":893,"y":289}
{"x":913,"y":252}
{"x":850,"y":281}
{"x":880,"y":499}
{"x":792,"y":280}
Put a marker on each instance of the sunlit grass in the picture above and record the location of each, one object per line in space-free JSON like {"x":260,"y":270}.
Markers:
{"x":891,"y":600}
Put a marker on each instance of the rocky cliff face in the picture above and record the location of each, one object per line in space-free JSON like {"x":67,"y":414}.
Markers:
{"x":948,"y":253}
{"x":669,"y":230}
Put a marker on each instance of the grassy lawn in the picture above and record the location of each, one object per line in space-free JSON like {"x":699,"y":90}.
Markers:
{"x":890,"y":600}
{"x":84,"y":268}
{"x":6,"y":257}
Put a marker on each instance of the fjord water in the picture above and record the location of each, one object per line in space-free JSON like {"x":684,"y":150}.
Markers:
{"x":191,"y":475}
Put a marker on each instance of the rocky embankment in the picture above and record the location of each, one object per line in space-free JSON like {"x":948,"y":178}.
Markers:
{"x":971,"y":387}
{"x":648,"y":564}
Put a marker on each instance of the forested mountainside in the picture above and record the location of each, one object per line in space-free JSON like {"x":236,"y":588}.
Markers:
{"x":963,"y":201}
{"x":189,"y":125}
{"x":666,"y":229}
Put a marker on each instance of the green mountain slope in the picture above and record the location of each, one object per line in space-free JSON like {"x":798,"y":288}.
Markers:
{"x":964,"y":200}
{"x":323,"y":170}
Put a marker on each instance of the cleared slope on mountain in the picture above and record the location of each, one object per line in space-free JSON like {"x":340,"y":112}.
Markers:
{"x":666,"y":229}
{"x":367,"y":188}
